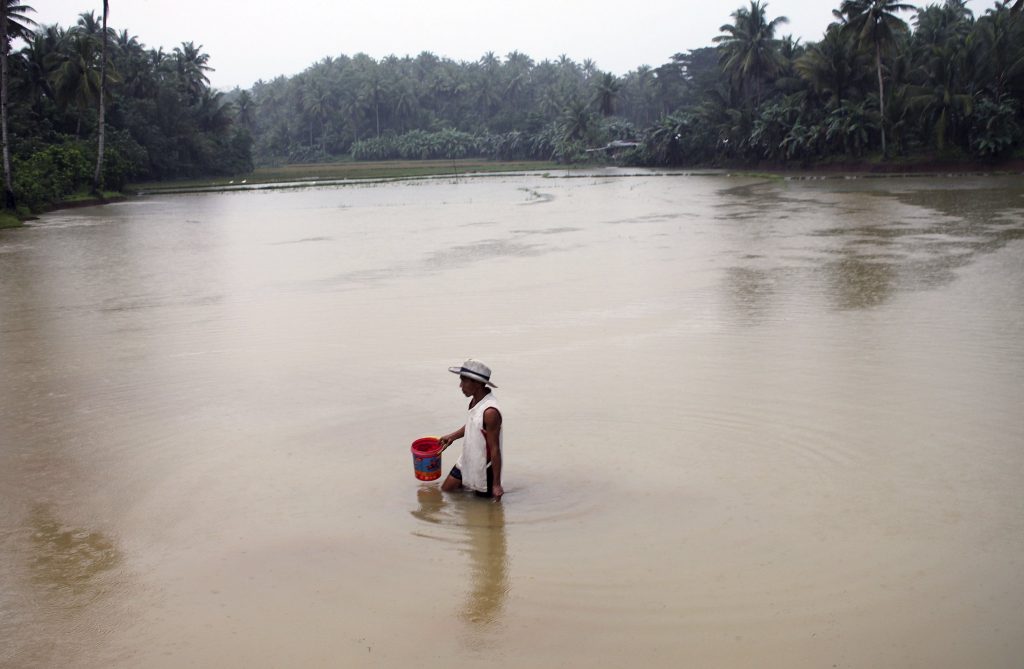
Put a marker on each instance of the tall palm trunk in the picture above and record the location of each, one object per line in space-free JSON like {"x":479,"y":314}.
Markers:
{"x":97,"y":179}
{"x":9,"y":202}
{"x":881,"y":93}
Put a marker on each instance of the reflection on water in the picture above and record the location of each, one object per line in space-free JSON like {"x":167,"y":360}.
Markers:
{"x":480,"y":525}
{"x":857,"y":282}
{"x":67,"y":561}
{"x":58,"y":590}
{"x":750,"y":290}
{"x":876,"y":240}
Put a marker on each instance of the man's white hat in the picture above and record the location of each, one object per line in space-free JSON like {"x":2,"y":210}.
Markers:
{"x":473,"y":369}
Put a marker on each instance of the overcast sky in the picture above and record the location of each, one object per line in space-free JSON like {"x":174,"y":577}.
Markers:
{"x":249,"y":40}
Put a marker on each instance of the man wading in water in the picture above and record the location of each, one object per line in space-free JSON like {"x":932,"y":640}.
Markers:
{"x":479,"y":466}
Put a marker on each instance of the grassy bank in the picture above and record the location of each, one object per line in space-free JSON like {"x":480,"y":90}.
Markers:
{"x":85,"y":199}
{"x":9,"y":220}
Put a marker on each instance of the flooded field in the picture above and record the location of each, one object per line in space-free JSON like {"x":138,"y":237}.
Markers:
{"x":748,"y":423}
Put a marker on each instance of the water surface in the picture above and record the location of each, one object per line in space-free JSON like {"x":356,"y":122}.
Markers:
{"x":748,"y":423}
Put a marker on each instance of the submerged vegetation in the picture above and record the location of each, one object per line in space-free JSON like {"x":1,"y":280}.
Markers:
{"x":887,"y":81}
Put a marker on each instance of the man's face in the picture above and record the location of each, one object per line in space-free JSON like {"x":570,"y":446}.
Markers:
{"x":467,"y":385}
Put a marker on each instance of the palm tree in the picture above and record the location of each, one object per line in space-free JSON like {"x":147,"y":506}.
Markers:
{"x":749,"y":50}
{"x":490,"y":62}
{"x":372,"y":90}
{"x":645,"y":92}
{"x":13,"y":25}
{"x":97,"y":178}
{"x":607,"y":90}
{"x":939,"y":97}
{"x":935,"y":25}
{"x":947,"y":72}
{"x":670,"y":85}
{"x":318,"y":101}
{"x":245,"y":108}
{"x":213,"y":112}
{"x":487,"y":90}
{"x":192,"y":67}
{"x":875,"y":24}
{"x":38,"y":63}
{"x":406,"y":102}
{"x":88,"y":24}
{"x":75,"y":79}
{"x":997,"y":37}
{"x":589,"y":69}
{"x":517,"y":68}
{"x":831,"y":66}
{"x":131,"y":61}
{"x":576,"y":121}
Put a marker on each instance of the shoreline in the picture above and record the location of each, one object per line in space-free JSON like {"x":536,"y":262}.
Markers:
{"x":577,"y":171}
{"x":912,"y":167}
{"x":9,"y":221}
{"x":349,"y":173}
{"x":323,"y":174}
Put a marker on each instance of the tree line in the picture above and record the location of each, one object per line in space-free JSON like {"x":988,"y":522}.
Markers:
{"x":87,"y":105}
{"x":88,"y":108}
{"x":886,"y":79}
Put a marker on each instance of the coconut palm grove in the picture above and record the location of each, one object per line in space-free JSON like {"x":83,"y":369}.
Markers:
{"x":90,"y":107}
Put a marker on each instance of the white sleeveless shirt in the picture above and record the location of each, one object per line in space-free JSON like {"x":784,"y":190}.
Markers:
{"x":473,"y":461}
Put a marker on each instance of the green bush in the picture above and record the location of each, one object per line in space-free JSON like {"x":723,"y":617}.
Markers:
{"x":47,"y":174}
{"x":123,"y":159}
{"x":51,"y":173}
{"x":995,"y":130}
{"x":419,"y":145}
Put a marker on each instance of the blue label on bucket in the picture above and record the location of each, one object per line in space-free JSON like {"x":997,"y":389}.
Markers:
{"x":427,"y":464}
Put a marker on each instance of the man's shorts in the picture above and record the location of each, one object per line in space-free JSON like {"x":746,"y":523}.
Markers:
{"x":456,"y":473}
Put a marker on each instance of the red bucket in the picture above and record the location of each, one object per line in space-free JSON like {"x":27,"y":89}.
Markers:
{"x":426,"y":458}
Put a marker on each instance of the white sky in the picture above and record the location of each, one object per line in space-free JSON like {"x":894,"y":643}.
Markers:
{"x":257,"y":39}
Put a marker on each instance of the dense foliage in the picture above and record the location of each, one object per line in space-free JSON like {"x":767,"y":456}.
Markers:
{"x":162,"y":118}
{"x":934,"y":80}
{"x":885,"y":79}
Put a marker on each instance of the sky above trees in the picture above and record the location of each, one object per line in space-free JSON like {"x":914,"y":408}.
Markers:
{"x":257,"y":39}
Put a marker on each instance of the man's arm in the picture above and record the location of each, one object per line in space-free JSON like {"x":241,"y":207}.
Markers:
{"x":492,"y":434}
{"x":447,"y":439}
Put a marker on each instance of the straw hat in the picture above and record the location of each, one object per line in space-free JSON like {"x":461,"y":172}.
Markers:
{"x":475,"y":370}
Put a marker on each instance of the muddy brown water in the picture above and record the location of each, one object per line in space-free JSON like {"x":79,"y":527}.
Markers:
{"x":748,"y":423}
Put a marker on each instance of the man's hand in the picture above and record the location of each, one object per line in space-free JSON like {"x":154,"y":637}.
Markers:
{"x":497,"y":491}
{"x":447,"y":439}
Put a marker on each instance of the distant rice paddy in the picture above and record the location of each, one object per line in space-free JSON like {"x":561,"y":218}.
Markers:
{"x":392,"y":169}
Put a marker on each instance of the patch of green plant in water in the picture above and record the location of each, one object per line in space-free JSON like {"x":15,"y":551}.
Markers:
{"x":759,"y":175}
